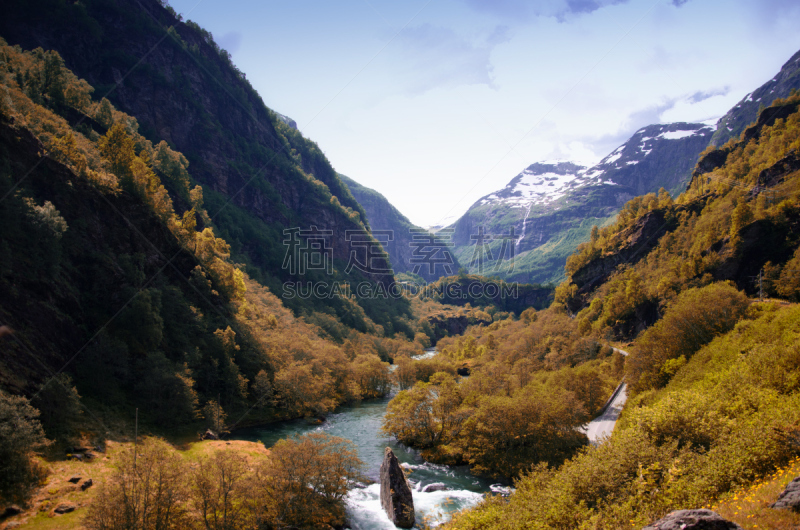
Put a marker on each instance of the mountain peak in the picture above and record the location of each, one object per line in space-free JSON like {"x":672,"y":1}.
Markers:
{"x":746,"y":111}
{"x":643,"y":141}
{"x":538,"y":184}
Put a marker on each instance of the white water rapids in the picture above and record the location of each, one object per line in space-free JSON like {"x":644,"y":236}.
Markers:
{"x":360,"y":423}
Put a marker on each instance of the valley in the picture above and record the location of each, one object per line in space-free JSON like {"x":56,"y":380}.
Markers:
{"x":203,"y":324}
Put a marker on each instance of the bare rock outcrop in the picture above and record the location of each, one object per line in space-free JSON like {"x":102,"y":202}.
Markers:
{"x":693,"y":520}
{"x":396,"y":497}
{"x":790,"y":498}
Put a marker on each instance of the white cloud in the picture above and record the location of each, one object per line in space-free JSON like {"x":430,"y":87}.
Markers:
{"x":424,"y":57}
{"x":525,"y":10}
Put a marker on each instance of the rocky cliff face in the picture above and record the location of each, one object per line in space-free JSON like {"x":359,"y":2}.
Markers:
{"x":637,"y":241}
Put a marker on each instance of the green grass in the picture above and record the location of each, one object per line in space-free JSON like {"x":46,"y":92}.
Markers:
{"x":44,"y":521}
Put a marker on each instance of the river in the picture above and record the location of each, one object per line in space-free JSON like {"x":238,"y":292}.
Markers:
{"x":360,"y":424}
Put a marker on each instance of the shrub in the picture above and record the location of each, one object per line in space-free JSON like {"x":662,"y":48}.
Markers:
{"x":307,"y":478}
{"x":148,"y":491}
{"x":693,"y":320}
{"x":20,"y":435}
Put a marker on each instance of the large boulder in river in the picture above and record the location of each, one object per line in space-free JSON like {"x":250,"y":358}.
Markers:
{"x":396,"y":497}
{"x":693,"y":520}
{"x":790,"y":498}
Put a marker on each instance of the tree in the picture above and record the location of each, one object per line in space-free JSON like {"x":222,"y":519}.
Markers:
{"x":427,"y":415}
{"x":692,"y":321}
{"x":174,"y":165}
{"x":118,"y":148}
{"x":588,"y":387}
{"x":262,"y":389}
{"x":148,"y":491}
{"x":196,"y":200}
{"x":221,"y":493}
{"x":48,"y":216}
{"x":54,"y":78}
{"x":60,"y":406}
{"x":66,"y":148}
{"x":307,"y":479}
{"x":20,"y":435}
{"x":595,"y":234}
{"x":742,"y":216}
{"x":103,"y":115}
{"x":371,"y":375}
{"x":215,"y":416}
{"x":507,"y":435}
{"x":301,"y":391}
{"x":405,"y":373}
{"x":788,"y":284}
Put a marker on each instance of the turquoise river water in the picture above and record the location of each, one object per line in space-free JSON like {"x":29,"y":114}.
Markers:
{"x":360,"y":424}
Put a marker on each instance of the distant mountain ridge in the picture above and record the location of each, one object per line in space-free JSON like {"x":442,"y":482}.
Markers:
{"x":383,"y":216}
{"x":551,"y":207}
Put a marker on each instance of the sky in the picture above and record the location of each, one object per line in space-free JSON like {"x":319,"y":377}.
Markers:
{"x":436,"y":103}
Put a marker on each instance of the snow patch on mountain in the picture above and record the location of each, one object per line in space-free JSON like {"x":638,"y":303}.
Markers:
{"x":676,"y":135}
{"x":545,"y":185}
{"x":537,"y":185}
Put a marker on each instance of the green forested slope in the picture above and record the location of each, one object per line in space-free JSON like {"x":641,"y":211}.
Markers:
{"x":726,"y":419}
{"x":259,"y":175}
{"x":739,"y":216}
{"x":113,"y":278}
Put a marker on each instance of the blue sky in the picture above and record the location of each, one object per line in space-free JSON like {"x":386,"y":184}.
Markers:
{"x":435,"y":103}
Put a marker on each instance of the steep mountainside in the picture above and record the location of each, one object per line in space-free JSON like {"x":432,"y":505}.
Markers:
{"x":552,"y":207}
{"x":400,"y":237}
{"x":746,"y":111}
{"x":107,"y":283}
{"x":260,"y":176}
{"x":738,"y":221}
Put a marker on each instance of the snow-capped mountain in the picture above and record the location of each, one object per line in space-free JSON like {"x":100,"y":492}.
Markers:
{"x":551,"y":206}
{"x":539,"y":184}
{"x":661,"y":154}
{"x":746,"y":111}
{"x":546,"y":183}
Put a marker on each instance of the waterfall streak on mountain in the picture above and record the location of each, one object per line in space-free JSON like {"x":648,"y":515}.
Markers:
{"x":521,"y":237}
